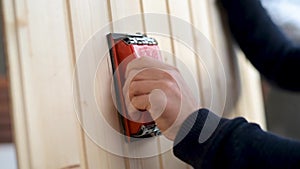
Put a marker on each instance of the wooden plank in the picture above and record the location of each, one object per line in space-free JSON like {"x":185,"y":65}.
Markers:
{"x":157,"y":25}
{"x":163,"y":36}
{"x":251,"y":108}
{"x":126,"y":16}
{"x":184,"y":44}
{"x":183,"y":58}
{"x":167,"y":156}
{"x":133,"y":23}
{"x":206,"y":56}
{"x":88,"y":17}
{"x":81,"y":136}
{"x":219,"y":37}
{"x":82,"y":27}
{"x":168,"y":159}
{"x":238,"y":81}
{"x":15,"y":78}
{"x":40,"y":75}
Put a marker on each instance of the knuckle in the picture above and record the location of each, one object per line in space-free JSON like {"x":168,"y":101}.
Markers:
{"x":131,"y":90}
{"x":135,"y":103}
{"x":132,"y":86}
{"x":168,"y":75}
{"x":165,"y":73}
{"x":148,"y":107}
{"x":167,"y":84}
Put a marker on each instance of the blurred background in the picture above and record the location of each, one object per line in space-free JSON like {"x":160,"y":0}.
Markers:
{"x":282,"y":107}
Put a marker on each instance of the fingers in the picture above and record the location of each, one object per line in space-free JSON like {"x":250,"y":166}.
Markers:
{"x":137,"y":109}
{"x":141,"y":102}
{"x":149,"y":83}
{"x":142,"y":87}
{"x":150,"y":74}
{"x":141,"y":70}
{"x":156,"y":89}
{"x":144,"y":81}
{"x":155,"y":103}
{"x":140,"y":116}
{"x":145,"y":62}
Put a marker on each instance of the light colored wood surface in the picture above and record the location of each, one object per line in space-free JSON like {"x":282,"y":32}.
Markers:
{"x":41,"y":83}
{"x":207,"y":58}
{"x":60,"y":76}
{"x":19,"y":119}
{"x":250,"y":100}
{"x":87,"y":19}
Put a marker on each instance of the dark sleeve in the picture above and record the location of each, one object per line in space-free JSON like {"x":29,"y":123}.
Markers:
{"x":234,"y":144}
{"x":264,"y":44}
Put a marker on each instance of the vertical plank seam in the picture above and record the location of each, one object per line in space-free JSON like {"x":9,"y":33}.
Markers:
{"x":73,"y":54}
{"x":145,"y":30}
{"x":140,"y":160}
{"x":171,"y":32}
{"x":214,"y":44}
{"x":110,"y":16}
{"x":199,"y":79}
{"x":109,"y":11}
{"x":127,"y":165}
{"x":161,"y":164}
{"x":22,"y":84}
{"x":108,"y":4}
{"x":192,"y":48}
{"x":107,"y":159}
{"x":21,"y":79}
{"x":143,"y":16}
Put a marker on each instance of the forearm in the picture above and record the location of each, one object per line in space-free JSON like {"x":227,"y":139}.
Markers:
{"x":234,"y":144}
{"x":264,"y":44}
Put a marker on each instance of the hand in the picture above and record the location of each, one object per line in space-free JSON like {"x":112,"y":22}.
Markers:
{"x":161,"y":90}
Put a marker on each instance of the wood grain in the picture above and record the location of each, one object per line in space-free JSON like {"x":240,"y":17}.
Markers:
{"x":60,"y":74}
{"x":40,"y":75}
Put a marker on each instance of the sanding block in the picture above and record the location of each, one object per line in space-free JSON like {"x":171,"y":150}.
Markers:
{"x":123,"y":49}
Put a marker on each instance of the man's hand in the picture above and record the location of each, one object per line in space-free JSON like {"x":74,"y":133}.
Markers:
{"x":161,"y":90}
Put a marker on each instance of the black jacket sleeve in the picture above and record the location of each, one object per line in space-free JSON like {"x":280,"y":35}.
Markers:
{"x":234,"y":144}
{"x":270,"y":51}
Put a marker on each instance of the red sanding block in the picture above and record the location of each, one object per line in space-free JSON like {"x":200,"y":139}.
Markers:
{"x":123,"y":49}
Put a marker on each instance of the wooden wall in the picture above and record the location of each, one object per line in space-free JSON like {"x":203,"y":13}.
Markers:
{"x":62,"y":105}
